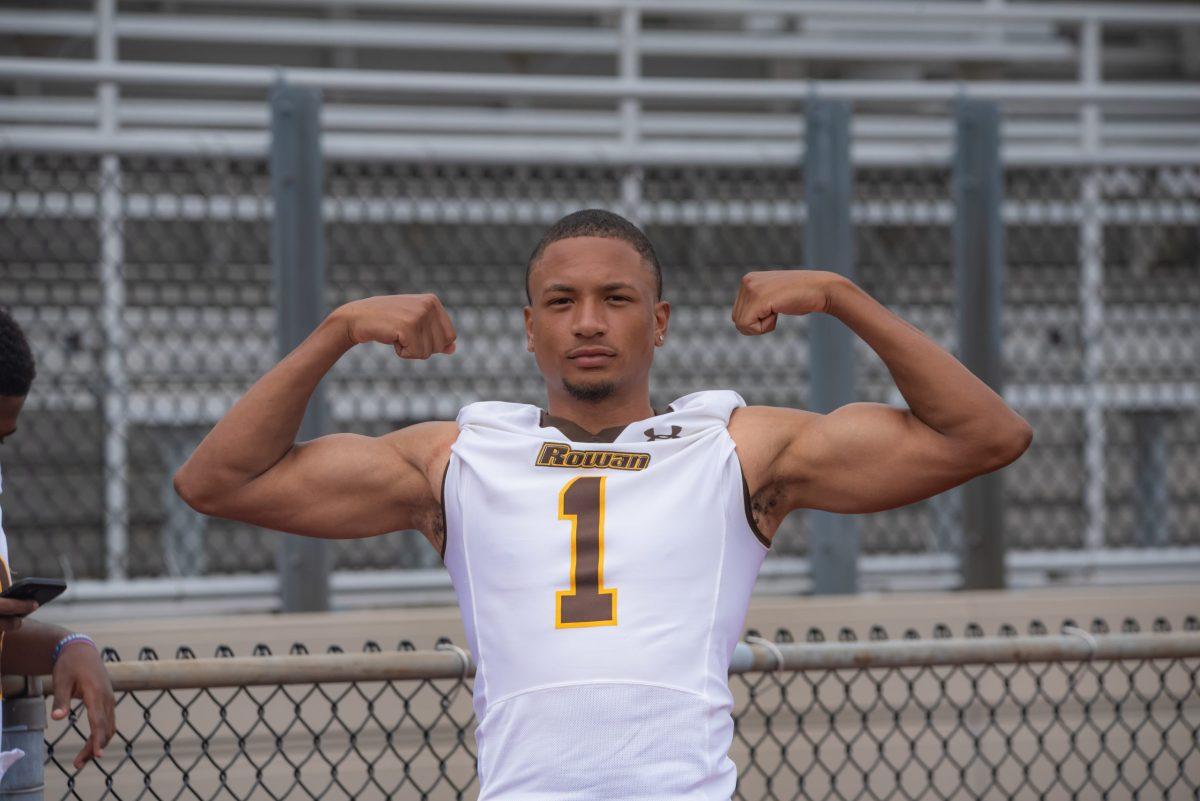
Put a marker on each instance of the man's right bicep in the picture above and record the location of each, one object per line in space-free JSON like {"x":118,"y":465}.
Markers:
{"x":337,"y":486}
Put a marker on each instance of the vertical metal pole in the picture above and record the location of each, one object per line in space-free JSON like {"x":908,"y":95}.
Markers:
{"x":1091,"y":303}
{"x":979,"y":280}
{"x":25,"y":728}
{"x":184,"y":553}
{"x":631,"y":110}
{"x":1090,"y":42}
{"x":112,"y":314}
{"x":298,"y":260}
{"x":1153,"y":498}
{"x":829,"y":245}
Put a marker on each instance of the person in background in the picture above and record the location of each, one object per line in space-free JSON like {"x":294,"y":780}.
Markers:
{"x":29,"y":647}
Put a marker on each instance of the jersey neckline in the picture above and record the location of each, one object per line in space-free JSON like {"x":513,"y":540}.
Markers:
{"x":577,"y":433}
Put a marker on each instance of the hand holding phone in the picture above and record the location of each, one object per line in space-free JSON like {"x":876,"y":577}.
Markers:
{"x":41,"y":590}
{"x":25,"y":596}
{"x":12,"y":611}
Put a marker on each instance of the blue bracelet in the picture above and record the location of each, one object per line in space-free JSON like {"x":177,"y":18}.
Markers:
{"x":65,"y":641}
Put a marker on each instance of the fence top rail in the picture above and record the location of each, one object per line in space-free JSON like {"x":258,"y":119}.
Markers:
{"x":747,"y":658}
{"x":1077,"y":646}
{"x":1132,"y":14}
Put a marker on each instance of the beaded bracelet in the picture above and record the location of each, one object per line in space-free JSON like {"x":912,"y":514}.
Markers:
{"x":65,"y":641}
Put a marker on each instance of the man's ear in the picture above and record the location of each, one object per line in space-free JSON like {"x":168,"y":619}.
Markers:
{"x":662,"y":314}
{"x":529,"y":328}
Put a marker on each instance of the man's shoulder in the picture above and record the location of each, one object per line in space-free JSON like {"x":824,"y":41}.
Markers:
{"x":426,"y":429}
{"x":766,"y":416}
{"x":424,"y":443}
{"x":767,"y":430}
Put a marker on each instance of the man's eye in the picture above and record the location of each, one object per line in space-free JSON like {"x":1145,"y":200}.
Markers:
{"x":618,"y":297}
{"x":559,"y":300}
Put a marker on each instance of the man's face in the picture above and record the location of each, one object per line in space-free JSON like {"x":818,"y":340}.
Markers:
{"x":10,"y":407}
{"x":593,"y":321}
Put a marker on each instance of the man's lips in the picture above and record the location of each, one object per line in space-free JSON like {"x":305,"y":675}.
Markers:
{"x":592,"y":361}
{"x":591,"y":357}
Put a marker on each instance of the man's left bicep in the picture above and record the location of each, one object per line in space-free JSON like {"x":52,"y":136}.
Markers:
{"x":868,"y":457}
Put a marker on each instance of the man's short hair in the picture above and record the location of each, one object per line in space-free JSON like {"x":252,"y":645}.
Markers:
{"x":602,"y":223}
{"x":16,"y":359}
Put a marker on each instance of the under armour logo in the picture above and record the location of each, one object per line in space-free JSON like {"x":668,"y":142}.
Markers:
{"x":652,"y":435}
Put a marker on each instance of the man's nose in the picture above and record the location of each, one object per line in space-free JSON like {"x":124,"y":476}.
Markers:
{"x":589,"y":319}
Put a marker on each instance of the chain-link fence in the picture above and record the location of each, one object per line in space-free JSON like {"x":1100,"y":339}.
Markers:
{"x":1080,"y":714}
{"x":145,"y":285}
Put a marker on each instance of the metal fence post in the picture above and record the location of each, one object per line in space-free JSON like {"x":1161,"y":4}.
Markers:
{"x":979,"y":285}
{"x":25,"y":728}
{"x":110,"y":219}
{"x":829,"y":245}
{"x":298,"y":262}
{"x":1092,"y":308}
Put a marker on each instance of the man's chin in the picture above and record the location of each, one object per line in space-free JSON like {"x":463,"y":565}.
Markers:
{"x":589,"y":390}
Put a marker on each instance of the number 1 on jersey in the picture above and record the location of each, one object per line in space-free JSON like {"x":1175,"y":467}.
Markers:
{"x":588,"y":602}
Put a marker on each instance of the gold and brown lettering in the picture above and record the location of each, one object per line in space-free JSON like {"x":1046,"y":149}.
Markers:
{"x":561,"y":454}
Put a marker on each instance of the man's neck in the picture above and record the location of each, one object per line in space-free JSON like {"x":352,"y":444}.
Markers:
{"x":595,"y":416}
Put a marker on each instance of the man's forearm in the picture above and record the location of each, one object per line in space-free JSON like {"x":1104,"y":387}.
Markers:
{"x":28,"y":651}
{"x":940,"y":391}
{"x":261,"y":427}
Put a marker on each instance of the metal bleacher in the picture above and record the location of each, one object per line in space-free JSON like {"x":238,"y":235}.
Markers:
{"x":540,"y":73}
{"x":467,"y":125}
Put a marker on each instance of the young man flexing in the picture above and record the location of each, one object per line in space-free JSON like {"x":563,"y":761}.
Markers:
{"x":602,"y":551}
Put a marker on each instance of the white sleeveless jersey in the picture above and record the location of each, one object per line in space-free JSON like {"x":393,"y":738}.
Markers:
{"x":603,"y":583}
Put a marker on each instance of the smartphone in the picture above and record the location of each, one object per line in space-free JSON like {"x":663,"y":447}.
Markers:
{"x":42,"y":590}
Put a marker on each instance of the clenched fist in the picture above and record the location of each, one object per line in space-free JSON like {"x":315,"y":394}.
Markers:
{"x":765,"y":295}
{"x":416,"y":326}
